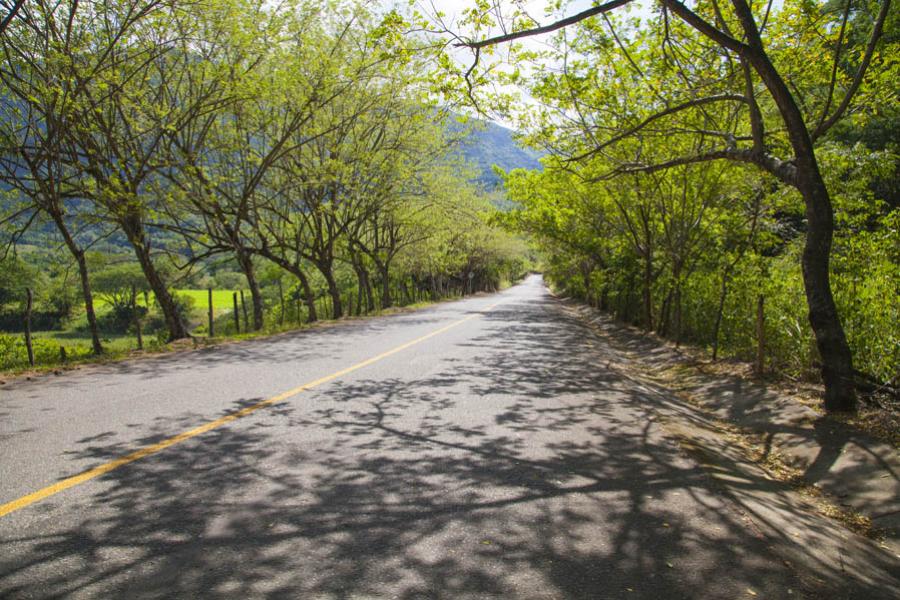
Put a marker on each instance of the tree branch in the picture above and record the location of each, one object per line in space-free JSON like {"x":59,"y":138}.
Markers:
{"x":877,"y":29}
{"x":706,"y":28}
{"x":783,"y":170}
{"x":10,"y":15}
{"x":597,"y":10}
{"x":659,"y":115}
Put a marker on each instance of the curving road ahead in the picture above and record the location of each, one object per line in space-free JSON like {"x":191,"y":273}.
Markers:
{"x":485,"y":452}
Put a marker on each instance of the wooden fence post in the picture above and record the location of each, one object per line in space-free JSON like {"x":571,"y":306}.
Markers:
{"x":244,"y":307}
{"x":760,"y":335}
{"x":137,"y":318}
{"x":211,"y":330}
{"x":29,"y":301}
{"x":237,"y":315}
{"x":281,"y":299}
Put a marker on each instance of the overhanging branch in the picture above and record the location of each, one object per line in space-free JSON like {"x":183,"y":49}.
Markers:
{"x":784,"y":171}
{"x":877,"y":29}
{"x":597,"y":10}
{"x":659,"y":115}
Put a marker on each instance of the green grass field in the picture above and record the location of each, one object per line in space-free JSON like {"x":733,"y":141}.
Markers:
{"x":222,"y":299}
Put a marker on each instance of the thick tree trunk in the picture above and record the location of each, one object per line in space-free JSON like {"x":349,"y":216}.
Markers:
{"x":333,"y":291}
{"x":837,"y":360}
{"x":246,"y":264}
{"x":134,"y":231}
{"x":831,"y":342}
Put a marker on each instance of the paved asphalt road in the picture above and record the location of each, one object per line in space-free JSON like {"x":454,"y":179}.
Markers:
{"x":496,"y":458}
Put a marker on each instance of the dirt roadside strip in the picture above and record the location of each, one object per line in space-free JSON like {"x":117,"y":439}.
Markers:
{"x":743,"y":433}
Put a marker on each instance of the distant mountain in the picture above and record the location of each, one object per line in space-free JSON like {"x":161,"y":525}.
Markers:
{"x":493,"y":144}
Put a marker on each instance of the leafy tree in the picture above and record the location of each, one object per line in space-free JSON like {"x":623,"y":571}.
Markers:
{"x":735,"y":83}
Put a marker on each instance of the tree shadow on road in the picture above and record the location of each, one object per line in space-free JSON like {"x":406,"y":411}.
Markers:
{"x":526,"y":471}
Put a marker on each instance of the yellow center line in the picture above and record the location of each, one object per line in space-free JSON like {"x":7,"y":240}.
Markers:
{"x":97,"y":471}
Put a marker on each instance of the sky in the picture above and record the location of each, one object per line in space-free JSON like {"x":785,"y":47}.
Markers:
{"x":536,"y":9}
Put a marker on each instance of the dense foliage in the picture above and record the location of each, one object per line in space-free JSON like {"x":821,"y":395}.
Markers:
{"x":705,"y":164}
{"x":295,"y":152}
{"x":710,"y":157}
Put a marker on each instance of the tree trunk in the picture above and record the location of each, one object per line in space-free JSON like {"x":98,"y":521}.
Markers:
{"x":244,"y":310}
{"x":96,"y":346}
{"x":718,"y":322}
{"x":370,"y":295}
{"x":647,"y":292}
{"x":211,"y":314}
{"x":237,"y":313}
{"x":298,"y":307}
{"x":78,"y":253}
{"x":387,"y":299}
{"x":134,"y":231}
{"x":837,"y":360}
{"x":662,"y":318}
{"x":246,"y":264}
{"x":677,"y":301}
{"x":333,"y":291}
{"x":308,"y":297}
{"x":29,"y":303}
{"x":831,"y":341}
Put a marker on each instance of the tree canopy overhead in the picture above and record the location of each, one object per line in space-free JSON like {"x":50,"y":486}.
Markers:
{"x":753,"y":83}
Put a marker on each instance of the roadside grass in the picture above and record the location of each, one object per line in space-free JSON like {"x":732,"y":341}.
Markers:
{"x":124,"y":346}
{"x":48,"y":350}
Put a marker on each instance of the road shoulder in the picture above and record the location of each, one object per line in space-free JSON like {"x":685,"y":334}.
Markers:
{"x":860,"y":474}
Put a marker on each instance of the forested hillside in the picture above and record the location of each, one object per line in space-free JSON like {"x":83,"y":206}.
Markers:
{"x":488,"y":145}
